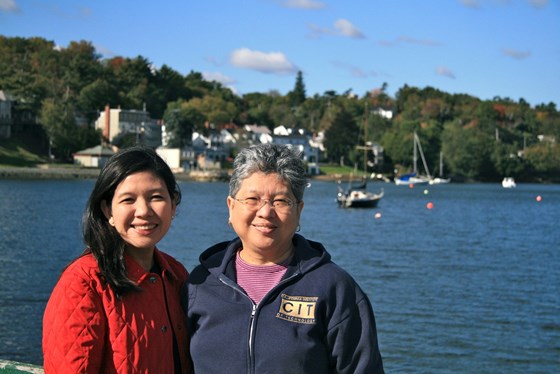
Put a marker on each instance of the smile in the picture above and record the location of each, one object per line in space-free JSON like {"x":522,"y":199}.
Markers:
{"x":144,"y":227}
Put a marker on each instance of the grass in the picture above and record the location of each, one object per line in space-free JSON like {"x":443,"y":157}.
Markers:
{"x":341,"y":170}
{"x":15,"y":153}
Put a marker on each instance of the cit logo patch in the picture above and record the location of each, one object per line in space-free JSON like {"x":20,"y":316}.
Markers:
{"x":299,"y":309}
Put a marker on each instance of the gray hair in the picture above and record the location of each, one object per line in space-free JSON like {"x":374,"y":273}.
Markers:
{"x":270,"y":159}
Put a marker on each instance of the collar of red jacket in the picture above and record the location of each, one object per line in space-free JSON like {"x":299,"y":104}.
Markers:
{"x":136,"y":273}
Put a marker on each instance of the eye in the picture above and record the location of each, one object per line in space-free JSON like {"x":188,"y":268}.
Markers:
{"x":252,"y":201}
{"x":281,"y":203}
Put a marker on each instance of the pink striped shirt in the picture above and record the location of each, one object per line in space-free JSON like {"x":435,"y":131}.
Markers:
{"x":258,"y":280}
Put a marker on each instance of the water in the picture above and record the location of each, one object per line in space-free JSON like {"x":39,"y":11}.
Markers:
{"x":470,"y":286}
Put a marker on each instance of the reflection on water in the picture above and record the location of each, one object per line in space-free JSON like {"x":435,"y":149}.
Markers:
{"x":471,"y":285}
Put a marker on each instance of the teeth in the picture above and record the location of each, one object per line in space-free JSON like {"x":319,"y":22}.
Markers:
{"x":145,"y":227}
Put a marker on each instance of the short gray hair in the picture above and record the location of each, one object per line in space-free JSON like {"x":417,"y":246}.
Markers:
{"x":270,"y":159}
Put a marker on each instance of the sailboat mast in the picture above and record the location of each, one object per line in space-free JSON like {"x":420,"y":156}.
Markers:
{"x":441,"y":164}
{"x":417,"y":143}
{"x":365,"y":136}
{"x":414,"y":155}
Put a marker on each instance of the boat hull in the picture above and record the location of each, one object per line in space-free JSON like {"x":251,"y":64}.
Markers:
{"x":359,"y":199}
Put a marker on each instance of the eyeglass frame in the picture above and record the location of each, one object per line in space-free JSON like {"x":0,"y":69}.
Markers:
{"x":270,"y":203}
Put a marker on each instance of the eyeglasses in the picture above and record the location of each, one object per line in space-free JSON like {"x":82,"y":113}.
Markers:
{"x":256,"y":203}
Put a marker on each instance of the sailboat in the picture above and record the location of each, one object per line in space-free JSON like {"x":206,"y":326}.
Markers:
{"x":413,"y":178}
{"x":357,"y":195}
{"x":440,"y":179}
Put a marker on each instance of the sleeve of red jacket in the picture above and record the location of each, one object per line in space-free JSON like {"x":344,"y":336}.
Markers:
{"x":74,"y":325}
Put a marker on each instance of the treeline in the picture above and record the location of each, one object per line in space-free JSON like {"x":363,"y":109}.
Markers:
{"x":479,"y":139}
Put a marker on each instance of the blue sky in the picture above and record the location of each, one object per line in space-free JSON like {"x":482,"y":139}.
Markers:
{"x":484,"y":48}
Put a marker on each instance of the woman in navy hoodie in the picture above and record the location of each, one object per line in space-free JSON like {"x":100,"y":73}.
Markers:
{"x":271,"y":301}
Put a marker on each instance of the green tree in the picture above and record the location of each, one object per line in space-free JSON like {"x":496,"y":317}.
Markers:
{"x":297,"y":97}
{"x":341,"y":138}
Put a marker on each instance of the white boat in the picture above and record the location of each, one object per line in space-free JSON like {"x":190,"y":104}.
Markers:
{"x":357,"y":195}
{"x":440,"y":179}
{"x":413,"y":178}
{"x":409,"y":179}
{"x":508,"y":182}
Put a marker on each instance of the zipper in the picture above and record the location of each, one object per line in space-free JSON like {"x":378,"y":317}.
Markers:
{"x":254,"y":307}
{"x":228,"y":282}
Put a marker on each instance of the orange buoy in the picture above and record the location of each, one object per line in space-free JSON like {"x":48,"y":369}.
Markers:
{"x":539,"y":198}
{"x":430,"y":205}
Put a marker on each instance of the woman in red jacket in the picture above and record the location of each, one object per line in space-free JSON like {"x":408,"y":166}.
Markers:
{"x":116,"y":308}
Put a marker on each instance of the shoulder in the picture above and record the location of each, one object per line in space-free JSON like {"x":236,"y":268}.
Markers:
{"x":84,"y":267}
{"x":174,"y":265}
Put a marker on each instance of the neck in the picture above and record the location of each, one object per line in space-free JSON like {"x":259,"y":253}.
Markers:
{"x":144,"y":257}
{"x":259,"y":258}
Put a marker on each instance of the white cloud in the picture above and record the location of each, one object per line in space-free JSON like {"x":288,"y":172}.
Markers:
{"x":303,"y":4}
{"x":342,"y":27}
{"x":445,"y":72}
{"x":270,"y":63}
{"x":346,"y":28}
{"x":8,"y":6}
{"x":221,"y":78}
{"x":518,"y":55}
{"x":218,"y":77}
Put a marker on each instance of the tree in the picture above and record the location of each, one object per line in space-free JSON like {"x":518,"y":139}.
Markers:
{"x":297,"y":96}
{"x":341,"y":138}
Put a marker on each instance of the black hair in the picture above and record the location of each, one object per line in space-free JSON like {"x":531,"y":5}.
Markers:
{"x":101,"y":239}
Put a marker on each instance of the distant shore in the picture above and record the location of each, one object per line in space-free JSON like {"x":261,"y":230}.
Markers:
{"x":54,"y":172}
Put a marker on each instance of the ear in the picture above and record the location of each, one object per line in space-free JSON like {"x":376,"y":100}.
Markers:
{"x":300,"y":208}
{"x":106,"y":209}
{"x":230,"y":201}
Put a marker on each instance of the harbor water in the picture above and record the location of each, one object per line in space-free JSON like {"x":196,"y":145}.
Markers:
{"x":467,"y":284}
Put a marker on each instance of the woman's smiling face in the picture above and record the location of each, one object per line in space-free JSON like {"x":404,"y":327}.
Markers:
{"x":141,"y":210}
{"x":266,"y":231}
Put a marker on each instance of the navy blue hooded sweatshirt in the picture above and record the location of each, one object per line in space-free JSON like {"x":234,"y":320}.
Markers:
{"x":316,"y":320}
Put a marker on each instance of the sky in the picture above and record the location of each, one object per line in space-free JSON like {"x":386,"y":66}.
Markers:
{"x":483,"y":48}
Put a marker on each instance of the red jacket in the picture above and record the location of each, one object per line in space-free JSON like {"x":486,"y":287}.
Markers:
{"x":86,"y":328}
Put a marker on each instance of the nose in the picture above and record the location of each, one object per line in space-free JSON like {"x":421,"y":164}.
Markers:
{"x":143,"y":208}
{"x":269,"y":208}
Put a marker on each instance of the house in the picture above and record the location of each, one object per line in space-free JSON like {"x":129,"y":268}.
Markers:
{"x":302,"y":140}
{"x":258,"y":134}
{"x":116,"y":123}
{"x":172,"y":156}
{"x":94,"y":157}
{"x":5,"y":115}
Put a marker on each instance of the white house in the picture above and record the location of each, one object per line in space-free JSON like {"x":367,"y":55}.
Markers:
{"x":94,"y":157}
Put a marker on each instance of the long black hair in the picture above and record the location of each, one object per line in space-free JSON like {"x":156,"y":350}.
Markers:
{"x":101,"y":239}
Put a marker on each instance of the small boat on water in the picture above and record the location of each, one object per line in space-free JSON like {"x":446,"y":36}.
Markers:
{"x":357,"y":196}
{"x":414,"y":178}
{"x":508,"y":182}
{"x":440,"y":179}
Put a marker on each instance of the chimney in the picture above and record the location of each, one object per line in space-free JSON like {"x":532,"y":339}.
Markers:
{"x":106,"y":130}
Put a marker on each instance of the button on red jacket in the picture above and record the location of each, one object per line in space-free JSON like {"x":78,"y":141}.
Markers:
{"x":86,"y":328}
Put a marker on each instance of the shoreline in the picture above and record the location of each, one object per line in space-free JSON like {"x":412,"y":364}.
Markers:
{"x":48,"y":172}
